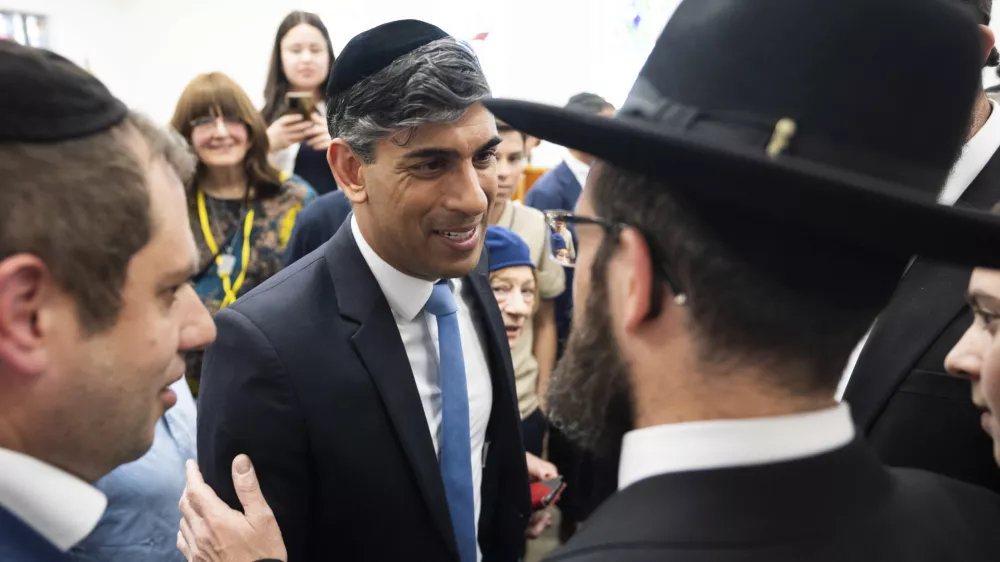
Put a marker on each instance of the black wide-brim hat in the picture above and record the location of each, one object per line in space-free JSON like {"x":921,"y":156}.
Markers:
{"x":837,"y":120}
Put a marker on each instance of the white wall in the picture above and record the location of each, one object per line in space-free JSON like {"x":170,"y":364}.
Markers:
{"x":545,"y":50}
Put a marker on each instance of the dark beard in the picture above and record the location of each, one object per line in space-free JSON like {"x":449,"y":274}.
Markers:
{"x":590,"y":393}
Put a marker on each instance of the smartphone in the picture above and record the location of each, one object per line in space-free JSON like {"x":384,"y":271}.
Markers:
{"x":545,"y":493}
{"x":301,"y":103}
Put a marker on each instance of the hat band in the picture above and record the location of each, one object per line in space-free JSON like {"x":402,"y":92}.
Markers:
{"x":761,"y":135}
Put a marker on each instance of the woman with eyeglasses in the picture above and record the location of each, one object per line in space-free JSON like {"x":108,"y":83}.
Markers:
{"x":242,"y":209}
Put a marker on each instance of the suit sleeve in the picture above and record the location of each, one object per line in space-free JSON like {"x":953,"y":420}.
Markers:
{"x":301,"y":242}
{"x":247,"y":405}
{"x":543,"y":197}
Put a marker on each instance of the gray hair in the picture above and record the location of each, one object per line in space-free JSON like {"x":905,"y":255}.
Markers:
{"x":435,"y":83}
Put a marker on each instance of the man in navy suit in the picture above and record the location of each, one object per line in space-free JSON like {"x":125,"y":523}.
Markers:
{"x":371,"y":381}
{"x":95,"y":311}
{"x":561,"y":186}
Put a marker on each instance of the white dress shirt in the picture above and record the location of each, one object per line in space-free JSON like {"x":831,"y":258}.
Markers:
{"x":716,"y":444}
{"x":407,"y":297}
{"x":580,"y":171}
{"x":59,"y":506}
{"x":975,"y":155}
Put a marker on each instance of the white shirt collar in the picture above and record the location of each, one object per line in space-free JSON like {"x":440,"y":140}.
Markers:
{"x":59,"y":506}
{"x":975,"y":155}
{"x":716,"y":444}
{"x":407,"y":295}
{"x":579,"y":169}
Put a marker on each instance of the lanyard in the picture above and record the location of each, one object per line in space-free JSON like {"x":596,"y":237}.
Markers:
{"x":224,"y":263}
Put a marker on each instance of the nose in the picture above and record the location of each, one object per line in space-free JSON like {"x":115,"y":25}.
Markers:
{"x":197,"y":325}
{"x":516,"y":305}
{"x":504,"y":169}
{"x":220,"y":128}
{"x":965,"y":359}
{"x":472,"y":191}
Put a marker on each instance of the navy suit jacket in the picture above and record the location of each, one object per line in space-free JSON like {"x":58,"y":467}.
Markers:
{"x":317,"y":223}
{"x":309,"y":377}
{"x":19,"y":542}
{"x":557,"y":189}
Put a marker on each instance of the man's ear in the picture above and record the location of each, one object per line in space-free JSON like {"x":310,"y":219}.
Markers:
{"x":348,"y":170}
{"x":989,"y":41}
{"x":637,"y":271}
{"x":24,"y":289}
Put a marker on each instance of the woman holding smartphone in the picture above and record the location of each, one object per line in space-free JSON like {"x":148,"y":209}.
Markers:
{"x":294,"y":99}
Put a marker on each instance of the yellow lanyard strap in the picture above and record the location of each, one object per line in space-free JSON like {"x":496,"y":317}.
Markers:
{"x":230,"y":288}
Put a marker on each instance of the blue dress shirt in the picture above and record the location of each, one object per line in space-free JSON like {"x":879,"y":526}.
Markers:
{"x":142,"y":517}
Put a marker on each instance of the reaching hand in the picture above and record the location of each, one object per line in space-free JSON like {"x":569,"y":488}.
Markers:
{"x":540,"y":469}
{"x":212,"y":532}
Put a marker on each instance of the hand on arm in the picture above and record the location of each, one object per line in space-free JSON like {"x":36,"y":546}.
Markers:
{"x":211,"y":531}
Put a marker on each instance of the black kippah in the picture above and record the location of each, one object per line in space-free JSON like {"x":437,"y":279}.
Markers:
{"x":44,"y":98}
{"x":375,"y":49}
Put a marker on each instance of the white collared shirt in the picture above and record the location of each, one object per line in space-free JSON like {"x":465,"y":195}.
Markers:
{"x":716,"y":444}
{"x":407,"y":297}
{"x":580,"y":171}
{"x":975,"y":155}
{"x":59,"y":506}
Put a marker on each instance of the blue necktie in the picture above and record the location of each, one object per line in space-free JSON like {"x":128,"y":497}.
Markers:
{"x":456,"y":446}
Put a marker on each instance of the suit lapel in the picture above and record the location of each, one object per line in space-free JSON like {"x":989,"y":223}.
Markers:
{"x":928,"y":299}
{"x":380,"y":348}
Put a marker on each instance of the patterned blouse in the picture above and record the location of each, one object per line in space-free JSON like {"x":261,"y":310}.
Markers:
{"x":272,"y":226}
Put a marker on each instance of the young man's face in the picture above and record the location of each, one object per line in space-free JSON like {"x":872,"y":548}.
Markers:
{"x":427,"y":200}
{"x":510,"y":164}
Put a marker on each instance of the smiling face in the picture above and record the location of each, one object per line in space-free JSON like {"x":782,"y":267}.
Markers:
{"x":424,"y":199}
{"x":514,"y":289}
{"x":305,"y":58}
{"x":977,"y":355}
{"x":219,"y":141}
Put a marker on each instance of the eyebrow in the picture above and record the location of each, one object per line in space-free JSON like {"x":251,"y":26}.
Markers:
{"x":976,"y":298}
{"x":435,"y":152}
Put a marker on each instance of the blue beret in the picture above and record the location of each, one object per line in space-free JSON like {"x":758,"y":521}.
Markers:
{"x":506,"y":249}
{"x":375,"y":49}
{"x":558,"y":243}
{"x":46,"y":98}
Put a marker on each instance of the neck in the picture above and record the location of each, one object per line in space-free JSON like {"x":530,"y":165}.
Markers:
{"x":224,"y":183}
{"x":497,"y":210}
{"x":58,"y":456}
{"x":693,"y":394}
{"x":980,"y":114}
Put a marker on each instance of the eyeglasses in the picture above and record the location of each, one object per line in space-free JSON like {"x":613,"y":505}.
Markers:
{"x":559,"y":220}
{"x":209,"y":123}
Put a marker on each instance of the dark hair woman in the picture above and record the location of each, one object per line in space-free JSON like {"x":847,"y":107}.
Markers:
{"x":295,"y":106}
{"x":241,"y":208}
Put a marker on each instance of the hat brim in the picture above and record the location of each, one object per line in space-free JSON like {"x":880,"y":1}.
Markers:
{"x":850,"y":207}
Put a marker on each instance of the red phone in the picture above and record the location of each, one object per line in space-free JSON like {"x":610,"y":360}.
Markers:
{"x":546,"y":493}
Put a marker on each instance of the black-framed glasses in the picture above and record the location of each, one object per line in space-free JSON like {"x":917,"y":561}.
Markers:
{"x":211,"y":121}
{"x":560,"y":221}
